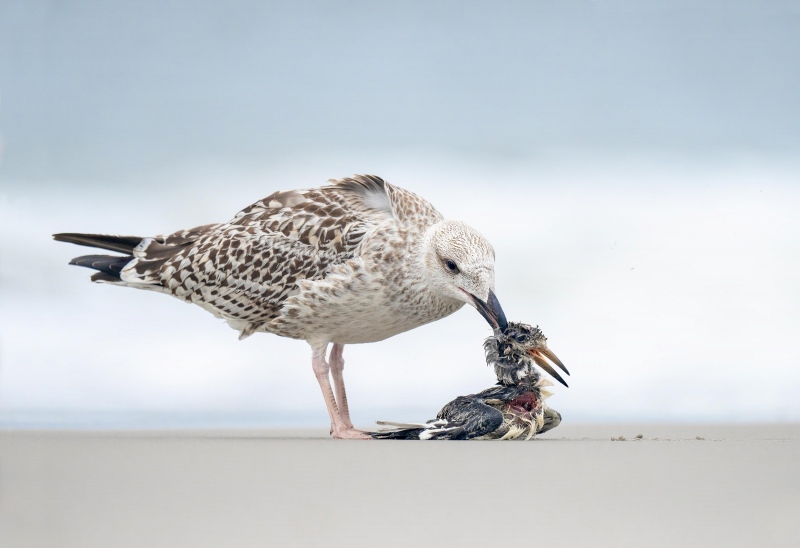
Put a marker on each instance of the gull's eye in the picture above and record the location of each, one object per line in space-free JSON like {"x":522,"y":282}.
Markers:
{"x":451,"y":266}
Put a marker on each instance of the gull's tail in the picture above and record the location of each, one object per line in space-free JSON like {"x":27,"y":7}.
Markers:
{"x":108,"y":266}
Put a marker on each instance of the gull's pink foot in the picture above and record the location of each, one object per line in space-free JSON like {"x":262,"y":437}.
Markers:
{"x":351,"y":434}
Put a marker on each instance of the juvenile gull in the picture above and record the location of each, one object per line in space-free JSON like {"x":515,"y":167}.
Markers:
{"x":513,"y":409}
{"x":355,"y":261}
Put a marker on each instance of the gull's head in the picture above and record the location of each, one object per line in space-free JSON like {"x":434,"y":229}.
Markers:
{"x":459,"y":264}
{"x":514,"y":350}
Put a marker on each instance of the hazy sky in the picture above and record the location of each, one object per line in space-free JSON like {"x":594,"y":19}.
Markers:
{"x":634,"y":163}
{"x":94,"y":88}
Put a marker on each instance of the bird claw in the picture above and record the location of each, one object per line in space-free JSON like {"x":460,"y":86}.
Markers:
{"x":351,"y":434}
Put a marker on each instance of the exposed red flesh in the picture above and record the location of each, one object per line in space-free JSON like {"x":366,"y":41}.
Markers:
{"x":524,"y":403}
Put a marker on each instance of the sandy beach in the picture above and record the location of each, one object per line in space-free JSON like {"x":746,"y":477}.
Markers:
{"x":738,"y":486}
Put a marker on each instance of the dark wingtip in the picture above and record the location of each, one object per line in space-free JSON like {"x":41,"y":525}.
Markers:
{"x":111,"y":265}
{"x":120,"y":244}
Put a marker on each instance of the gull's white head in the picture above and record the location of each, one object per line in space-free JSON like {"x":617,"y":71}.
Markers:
{"x":459,"y":264}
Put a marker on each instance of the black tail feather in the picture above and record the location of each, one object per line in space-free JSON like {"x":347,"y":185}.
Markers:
{"x":122,"y":244}
{"x":109,"y":265}
{"x":405,"y":434}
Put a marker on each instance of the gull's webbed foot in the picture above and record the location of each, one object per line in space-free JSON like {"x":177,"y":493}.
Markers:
{"x":351,"y":434}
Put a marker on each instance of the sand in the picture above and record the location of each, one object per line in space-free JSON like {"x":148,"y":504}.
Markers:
{"x":739,"y":486}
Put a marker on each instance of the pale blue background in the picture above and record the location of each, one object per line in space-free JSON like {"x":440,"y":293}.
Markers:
{"x":634,"y":163}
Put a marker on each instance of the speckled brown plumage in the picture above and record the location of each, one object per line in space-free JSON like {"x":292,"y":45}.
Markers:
{"x":245,"y":270}
{"x":357,"y":260}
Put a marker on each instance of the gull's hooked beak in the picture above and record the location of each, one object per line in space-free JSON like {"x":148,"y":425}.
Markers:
{"x":539,"y":355}
{"x":491,"y":311}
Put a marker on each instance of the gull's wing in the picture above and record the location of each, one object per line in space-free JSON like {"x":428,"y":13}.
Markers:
{"x":245,"y":269}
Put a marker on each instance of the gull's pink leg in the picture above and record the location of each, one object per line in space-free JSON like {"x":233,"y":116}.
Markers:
{"x":338,"y":428}
{"x":337,"y":367}
{"x":321,"y":369}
